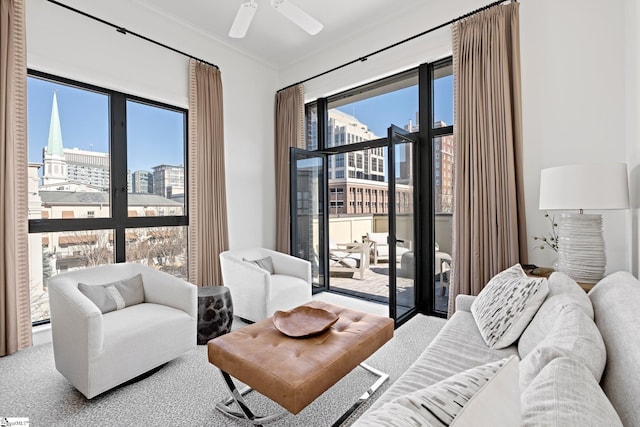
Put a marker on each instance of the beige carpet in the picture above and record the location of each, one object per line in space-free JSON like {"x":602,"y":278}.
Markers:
{"x":183,"y":392}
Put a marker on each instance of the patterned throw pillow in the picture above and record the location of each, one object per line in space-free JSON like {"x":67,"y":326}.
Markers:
{"x":504,"y":308}
{"x":486,"y":395}
{"x":116,"y":295}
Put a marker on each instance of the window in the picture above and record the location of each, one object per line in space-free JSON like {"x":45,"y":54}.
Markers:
{"x":100,"y":193}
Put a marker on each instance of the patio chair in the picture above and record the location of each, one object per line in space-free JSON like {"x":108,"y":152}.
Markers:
{"x":349,"y":257}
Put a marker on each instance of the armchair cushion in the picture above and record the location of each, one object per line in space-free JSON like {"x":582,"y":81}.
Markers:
{"x":265,"y":263}
{"x":115,"y":295}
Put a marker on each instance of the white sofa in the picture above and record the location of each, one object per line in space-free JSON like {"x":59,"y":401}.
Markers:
{"x":256,"y":293}
{"x":96,"y":351}
{"x":581,"y":385}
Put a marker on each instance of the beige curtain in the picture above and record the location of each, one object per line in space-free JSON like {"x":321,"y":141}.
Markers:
{"x":489,"y":231}
{"x":15,"y":307}
{"x":208,"y":230}
{"x":289,"y":133}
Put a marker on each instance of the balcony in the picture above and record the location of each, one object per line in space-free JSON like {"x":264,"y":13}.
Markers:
{"x":374,"y":285}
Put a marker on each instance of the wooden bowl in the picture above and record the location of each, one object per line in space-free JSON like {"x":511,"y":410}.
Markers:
{"x":303,"y":321}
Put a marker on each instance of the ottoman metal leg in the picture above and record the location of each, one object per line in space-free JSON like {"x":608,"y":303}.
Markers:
{"x":247,"y":414}
{"x":382,"y":377}
{"x":237,"y":397}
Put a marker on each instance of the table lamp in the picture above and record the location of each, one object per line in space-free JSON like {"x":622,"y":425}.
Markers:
{"x":599,"y":186}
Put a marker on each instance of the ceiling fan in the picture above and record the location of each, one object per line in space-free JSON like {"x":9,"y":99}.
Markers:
{"x":290,"y":11}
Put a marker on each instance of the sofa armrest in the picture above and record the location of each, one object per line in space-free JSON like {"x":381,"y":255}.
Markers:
{"x":166,"y":289}
{"x":463,"y":302}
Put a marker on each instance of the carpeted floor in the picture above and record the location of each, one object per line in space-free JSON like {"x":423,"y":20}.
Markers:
{"x":183,"y":391}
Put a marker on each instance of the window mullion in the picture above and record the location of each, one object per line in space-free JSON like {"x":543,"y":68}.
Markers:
{"x":118,"y":110}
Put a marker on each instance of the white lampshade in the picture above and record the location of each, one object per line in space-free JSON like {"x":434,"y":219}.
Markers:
{"x":587,"y":186}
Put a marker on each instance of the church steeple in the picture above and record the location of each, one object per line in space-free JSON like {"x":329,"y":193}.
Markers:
{"x":54,"y":146}
{"x":55,"y":164}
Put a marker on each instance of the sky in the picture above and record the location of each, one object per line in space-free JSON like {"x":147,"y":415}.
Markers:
{"x":400,"y":106}
{"x":154,"y":136}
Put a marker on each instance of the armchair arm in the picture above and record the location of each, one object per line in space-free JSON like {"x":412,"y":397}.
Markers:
{"x":76,"y":323}
{"x":165,"y":289}
{"x":237,"y":274}
{"x":290,"y":265}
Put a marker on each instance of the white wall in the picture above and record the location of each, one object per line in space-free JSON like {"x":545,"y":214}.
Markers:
{"x":573,"y":89}
{"x":428,"y":48}
{"x":63,"y":43}
{"x":579,"y":62}
{"x":632,"y":81}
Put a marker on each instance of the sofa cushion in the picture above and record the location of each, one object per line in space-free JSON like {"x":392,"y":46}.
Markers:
{"x":504,"y":308}
{"x":457,"y":347}
{"x":563,"y":291}
{"x":616,"y":303}
{"x":486,"y":395}
{"x":116,"y":295}
{"x":573,"y":335}
{"x":561,"y":284}
{"x":566,"y":394}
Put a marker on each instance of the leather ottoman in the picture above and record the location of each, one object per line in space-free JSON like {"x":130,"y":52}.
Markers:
{"x":293,"y":372}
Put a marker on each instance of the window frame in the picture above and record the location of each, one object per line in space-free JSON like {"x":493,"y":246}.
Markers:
{"x":119,"y":220}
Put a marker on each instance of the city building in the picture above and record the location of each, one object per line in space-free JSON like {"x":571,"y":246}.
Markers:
{"x":142,"y":182}
{"x":444,"y":162}
{"x":168,"y":181}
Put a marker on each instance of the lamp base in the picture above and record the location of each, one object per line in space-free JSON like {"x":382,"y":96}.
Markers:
{"x":581,"y":253}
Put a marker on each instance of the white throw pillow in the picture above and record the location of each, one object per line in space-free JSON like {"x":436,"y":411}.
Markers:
{"x":486,"y":395}
{"x":504,"y":308}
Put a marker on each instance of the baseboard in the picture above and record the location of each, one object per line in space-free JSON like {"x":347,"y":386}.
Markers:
{"x":41,"y":334}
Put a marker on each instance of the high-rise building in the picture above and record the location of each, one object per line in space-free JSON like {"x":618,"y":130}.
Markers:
{"x":142,"y":182}
{"x":444,"y":168}
{"x":345,"y":129}
{"x":168,"y":181}
{"x":65,"y":167}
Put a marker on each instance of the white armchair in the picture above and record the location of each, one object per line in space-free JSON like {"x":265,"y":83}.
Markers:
{"x":96,"y":351}
{"x":256,"y":293}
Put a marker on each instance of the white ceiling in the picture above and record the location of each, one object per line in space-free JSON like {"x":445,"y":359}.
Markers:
{"x":275,"y":40}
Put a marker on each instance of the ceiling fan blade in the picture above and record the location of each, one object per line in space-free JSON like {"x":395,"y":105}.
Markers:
{"x":243,"y":20}
{"x":298,"y":16}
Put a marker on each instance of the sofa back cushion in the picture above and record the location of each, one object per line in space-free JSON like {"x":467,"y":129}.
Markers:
{"x":573,"y":335}
{"x":566,"y":394}
{"x":563,"y":291}
{"x":616,"y":303}
{"x":504,"y":308}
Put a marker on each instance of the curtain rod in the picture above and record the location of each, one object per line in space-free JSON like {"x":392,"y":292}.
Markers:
{"x":124,"y":31}
{"x":365,"y":57}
